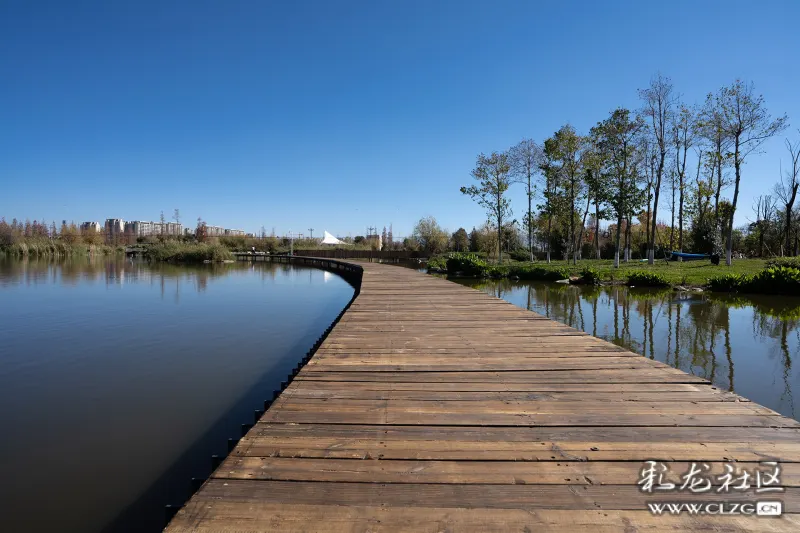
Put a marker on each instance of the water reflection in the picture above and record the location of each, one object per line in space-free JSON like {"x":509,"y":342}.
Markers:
{"x":120,"y":379}
{"x":742,"y":344}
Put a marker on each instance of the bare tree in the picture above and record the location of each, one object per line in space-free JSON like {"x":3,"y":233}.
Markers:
{"x":524,"y":159}
{"x":764,"y":206}
{"x":659,"y":101}
{"x":747,"y":122}
{"x":786,"y":189}
{"x":683,"y":131}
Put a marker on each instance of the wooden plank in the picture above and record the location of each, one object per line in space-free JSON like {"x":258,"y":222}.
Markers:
{"x":548,"y":376}
{"x":205,"y":515}
{"x":459,"y":495}
{"x":434,"y":407}
{"x":475,"y":472}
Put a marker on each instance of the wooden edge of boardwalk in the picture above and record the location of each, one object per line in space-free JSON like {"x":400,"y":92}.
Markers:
{"x":434,"y":407}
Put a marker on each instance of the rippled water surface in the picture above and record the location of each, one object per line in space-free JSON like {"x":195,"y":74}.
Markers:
{"x":119,"y":380}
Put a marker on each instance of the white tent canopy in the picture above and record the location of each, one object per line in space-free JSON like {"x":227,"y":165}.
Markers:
{"x":330,"y":239}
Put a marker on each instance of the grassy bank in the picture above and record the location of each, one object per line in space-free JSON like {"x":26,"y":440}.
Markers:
{"x":662,"y":273}
{"x":56,"y":248}
{"x":187,"y":252}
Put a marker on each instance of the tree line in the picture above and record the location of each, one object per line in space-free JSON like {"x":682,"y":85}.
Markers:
{"x":633,"y":162}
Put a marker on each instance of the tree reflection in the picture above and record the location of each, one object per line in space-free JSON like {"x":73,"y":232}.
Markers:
{"x":693,"y":331}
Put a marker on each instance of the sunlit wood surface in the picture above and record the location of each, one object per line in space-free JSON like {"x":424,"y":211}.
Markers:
{"x":435,"y":407}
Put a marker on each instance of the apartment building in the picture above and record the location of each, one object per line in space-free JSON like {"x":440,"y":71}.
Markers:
{"x":143,"y":228}
{"x":114,"y":227}
{"x":139,"y":228}
{"x":234,"y":232}
{"x":167,"y":228}
{"x":88,"y":227}
{"x":215,"y":231}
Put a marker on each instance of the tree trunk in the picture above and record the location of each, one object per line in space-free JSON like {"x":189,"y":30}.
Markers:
{"x":729,"y":243}
{"x":572,"y":220}
{"x":617,"y":242}
{"x":719,"y":177}
{"x":499,"y":232}
{"x":789,"y":217}
{"x":530,"y":218}
{"x":651,"y":244}
{"x":549,"y":233}
{"x":583,"y":226}
{"x":681,"y":179}
{"x":672,"y":218}
{"x":597,"y":228}
{"x":628,"y":239}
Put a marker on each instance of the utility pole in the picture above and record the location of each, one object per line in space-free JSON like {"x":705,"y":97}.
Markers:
{"x":311,"y":230}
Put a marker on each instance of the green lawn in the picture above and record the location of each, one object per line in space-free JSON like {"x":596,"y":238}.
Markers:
{"x":689,"y":272}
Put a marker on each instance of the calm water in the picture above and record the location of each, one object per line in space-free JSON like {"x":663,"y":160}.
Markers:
{"x":747,"y":345}
{"x":119,"y":380}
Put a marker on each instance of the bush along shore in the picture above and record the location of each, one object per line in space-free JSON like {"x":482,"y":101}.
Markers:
{"x":188,"y":252}
{"x":777,"y":276}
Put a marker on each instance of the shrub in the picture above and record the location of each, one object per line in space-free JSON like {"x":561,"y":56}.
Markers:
{"x":537,"y":273}
{"x":590,"y":276}
{"x":437,"y":263}
{"x":647,"y":279}
{"x":729,"y":282}
{"x":776,"y":280}
{"x":467,"y":263}
{"x":520,"y":254}
{"x":789,"y":262}
{"x":178,"y":252}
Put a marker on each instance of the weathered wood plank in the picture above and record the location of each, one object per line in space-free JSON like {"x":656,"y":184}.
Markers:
{"x":205,"y":515}
{"x":433,"y":407}
{"x":474,"y":472}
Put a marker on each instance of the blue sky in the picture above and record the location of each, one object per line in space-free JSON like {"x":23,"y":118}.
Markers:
{"x":342,"y":115}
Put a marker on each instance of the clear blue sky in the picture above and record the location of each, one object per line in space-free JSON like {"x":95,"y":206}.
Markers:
{"x":341,"y":115}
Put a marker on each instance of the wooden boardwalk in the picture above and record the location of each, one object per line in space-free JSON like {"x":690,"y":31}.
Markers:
{"x":435,"y":407}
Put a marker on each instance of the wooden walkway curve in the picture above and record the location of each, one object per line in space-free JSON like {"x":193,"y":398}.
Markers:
{"x":435,"y":407}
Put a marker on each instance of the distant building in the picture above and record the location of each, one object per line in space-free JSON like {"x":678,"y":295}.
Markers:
{"x":215,"y":231}
{"x":114,"y":227}
{"x":234,"y":232}
{"x":167,"y":228}
{"x":139,"y":228}
{"x":88,"y":227}
{"x":143,"y":228}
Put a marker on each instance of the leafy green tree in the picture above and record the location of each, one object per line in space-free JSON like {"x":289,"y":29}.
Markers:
{"x":597,"y":185}
{"x":460,"y":240}
{"x":492,"y":175}
{"x":474,"y":240}
{"x":431,"y":237}
{"x":565,"y":150}
{"x":548,"y":209}
{"x":617,"y":141}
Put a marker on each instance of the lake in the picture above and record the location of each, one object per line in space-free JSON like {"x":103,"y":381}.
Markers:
{"x":120,"y":379}
{"x":742,"y":344}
